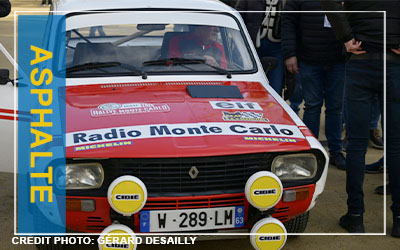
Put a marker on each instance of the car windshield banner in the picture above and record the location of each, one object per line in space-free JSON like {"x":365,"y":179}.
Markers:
{"x":41,"y":150}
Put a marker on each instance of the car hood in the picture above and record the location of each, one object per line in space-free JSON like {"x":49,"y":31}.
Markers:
{"x":147,"y":120}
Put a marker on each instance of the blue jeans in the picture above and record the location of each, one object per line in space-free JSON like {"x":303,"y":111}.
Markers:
{"x":275,"y":76}
{"x":319,"y":83}
{"x":376,"y":111}
{"x":364,"y":80}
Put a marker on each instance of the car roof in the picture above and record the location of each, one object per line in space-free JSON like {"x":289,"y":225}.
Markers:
{"x":94,"y":5}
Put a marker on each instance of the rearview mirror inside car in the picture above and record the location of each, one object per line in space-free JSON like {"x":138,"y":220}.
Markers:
{"x":151,"y":27}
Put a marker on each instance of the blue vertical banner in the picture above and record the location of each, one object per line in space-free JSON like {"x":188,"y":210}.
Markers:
{"x":41,"y":143}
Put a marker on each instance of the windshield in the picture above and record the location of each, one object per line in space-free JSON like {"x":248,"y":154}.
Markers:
{"x":155,"y":43}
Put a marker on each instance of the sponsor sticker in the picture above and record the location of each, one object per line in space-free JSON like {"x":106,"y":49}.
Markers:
{"x":269,"y":139}
{"x":108,"y":109}
{"x":182,"y":130}
{"x":268,"y":234}
{"x":103,"y":145}
{"x":127,"y":195}
{"x":270,"y":191}
{"x":109,"y":106}
{"x":235,"y":105}
{"x":263,"y":190}
{"x":246,"y":116}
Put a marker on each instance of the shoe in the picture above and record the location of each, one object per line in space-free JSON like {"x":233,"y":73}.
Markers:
{"x":352,"y":223}
{"x":379,"y":190}
{"x":396,"y":227}
{"x":374,"y":168}
{"x":375,"y":138}
{"x":337,"y":159}
{"x":43,"y":5}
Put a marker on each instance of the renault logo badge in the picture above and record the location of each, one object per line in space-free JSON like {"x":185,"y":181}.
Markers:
{"x":193,"y":172}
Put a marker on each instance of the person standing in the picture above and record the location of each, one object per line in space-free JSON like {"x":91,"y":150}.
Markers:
{"x":310,"y":48}
{"x":264,"y":29}
{"x":5,"y":8}
{"x":363,"y":35}
{"x":252,"y":19}
{"x":268,"y":41}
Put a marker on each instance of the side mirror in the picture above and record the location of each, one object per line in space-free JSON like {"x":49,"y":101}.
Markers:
{"x":4,"y":76}
{"x":269,"y":63}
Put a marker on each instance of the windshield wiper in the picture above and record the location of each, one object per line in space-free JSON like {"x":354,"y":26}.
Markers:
{"x":100,"y":65}
{"x":182,"y":61}
{"x":220,"y":70}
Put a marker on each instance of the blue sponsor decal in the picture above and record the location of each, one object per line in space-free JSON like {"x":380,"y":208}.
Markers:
{"x":41,"y":139}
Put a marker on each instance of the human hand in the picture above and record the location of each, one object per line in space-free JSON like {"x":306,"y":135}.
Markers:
{"x":354,"y":47}
{"x":396,"y":51}
{"x":211,"y":60}
{"x":292,"y":65}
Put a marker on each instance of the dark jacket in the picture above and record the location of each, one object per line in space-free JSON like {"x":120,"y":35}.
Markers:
{"x":304,"y":35}
{"x":5,"y":8}
{"x":231,"y":3}
{"x":366,"y":27}
{"x":252,"y":20}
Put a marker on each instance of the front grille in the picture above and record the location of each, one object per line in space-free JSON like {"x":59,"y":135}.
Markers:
{"x":282,"y":210}
{"x":197,"y":202}
{"x":170,"y":176}
{"x":94,"y":224}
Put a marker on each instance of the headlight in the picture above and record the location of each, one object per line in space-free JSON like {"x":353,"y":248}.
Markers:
{"x":295,"y":166}
{"x":80,"y":176}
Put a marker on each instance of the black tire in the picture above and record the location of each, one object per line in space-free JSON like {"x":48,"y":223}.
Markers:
{"x":50,"y":246}
{"x":298,"y":224}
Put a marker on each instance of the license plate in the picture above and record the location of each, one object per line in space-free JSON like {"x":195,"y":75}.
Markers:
{"x":191,"y":219}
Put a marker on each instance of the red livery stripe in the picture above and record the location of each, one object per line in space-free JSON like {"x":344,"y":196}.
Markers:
{"x":8,"y":111}
{"x":5,"y":117}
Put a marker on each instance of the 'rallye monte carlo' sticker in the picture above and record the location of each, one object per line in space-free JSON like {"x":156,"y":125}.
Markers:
{"x":108,"y":109}
{"x":180,"y":130}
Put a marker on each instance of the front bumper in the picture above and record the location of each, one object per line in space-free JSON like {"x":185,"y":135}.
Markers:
{"x":103,"y":216}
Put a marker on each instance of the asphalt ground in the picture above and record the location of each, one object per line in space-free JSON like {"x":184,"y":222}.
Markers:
{"x":323,"y":217}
